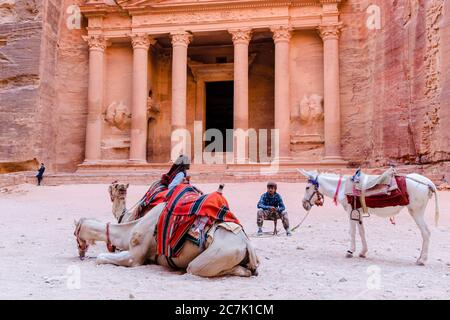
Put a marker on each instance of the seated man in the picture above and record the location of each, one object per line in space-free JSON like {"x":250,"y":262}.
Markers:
{"x":271,"y":207}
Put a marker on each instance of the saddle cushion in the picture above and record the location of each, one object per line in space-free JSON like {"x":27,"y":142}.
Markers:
{"x":184,"y":205}
{"x":366,"y":182}
{"x":397,"y":197}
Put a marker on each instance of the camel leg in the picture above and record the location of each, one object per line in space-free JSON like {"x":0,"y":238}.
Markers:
{"x":420,"y":221}
{"x":124,"y":259}
{"x":352,"y":239}
{"x":362,"y":234}
{"x":239,"y":271}
{"x":222,"y":257}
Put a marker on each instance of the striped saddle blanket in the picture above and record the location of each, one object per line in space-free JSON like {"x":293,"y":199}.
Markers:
{"x":155,"y":195}
{"x":186,"y":206}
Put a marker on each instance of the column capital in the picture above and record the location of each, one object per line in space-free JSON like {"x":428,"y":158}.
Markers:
{"x":330,"y":31}
{"x":281,"y":33}
{"x":241,"y":35}
{"x":181,"y":38}
{"x":141,"y":41}
{"x":96,"y":42}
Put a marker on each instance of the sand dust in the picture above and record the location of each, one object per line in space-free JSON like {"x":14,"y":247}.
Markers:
{"x":38,"y":255}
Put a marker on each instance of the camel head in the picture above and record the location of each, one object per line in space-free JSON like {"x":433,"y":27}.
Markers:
{"x":118,"y":193}
{"x":312,"y":194}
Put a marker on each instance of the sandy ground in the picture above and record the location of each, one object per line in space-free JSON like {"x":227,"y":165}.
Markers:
{"x":38,"y":256}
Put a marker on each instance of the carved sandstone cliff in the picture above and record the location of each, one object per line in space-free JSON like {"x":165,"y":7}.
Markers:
{"x":395,"y":83}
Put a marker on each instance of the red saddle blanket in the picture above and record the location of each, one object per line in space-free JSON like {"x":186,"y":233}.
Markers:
{"x":397,"y":197}
{"x":184,"y":205}
{"x":155,"y":195}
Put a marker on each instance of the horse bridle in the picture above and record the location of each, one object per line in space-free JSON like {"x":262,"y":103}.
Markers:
{"x":320,"y":198}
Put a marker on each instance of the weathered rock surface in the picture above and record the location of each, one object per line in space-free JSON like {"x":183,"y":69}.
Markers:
{"x":395,"y":84}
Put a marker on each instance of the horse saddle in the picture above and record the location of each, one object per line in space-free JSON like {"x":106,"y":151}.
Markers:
{"x":362,"y":185}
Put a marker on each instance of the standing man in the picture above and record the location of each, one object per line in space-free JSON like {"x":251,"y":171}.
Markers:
{"x":40,"y":174}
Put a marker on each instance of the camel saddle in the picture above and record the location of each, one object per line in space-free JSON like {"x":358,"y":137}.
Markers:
{"x":362,"y":185}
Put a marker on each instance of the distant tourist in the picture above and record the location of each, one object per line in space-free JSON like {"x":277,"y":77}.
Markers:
{"x":40,"y":174}
{"x":271,"y":207}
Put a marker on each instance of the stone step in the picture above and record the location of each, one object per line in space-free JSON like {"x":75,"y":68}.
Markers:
{"x":209,"y":175}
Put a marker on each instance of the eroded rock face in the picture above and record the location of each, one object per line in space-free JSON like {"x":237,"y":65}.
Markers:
{"x":395,"y":83}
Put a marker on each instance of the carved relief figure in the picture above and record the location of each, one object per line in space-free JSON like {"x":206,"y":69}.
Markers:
{"x":118,"y":115}
{"x":311,"y":109}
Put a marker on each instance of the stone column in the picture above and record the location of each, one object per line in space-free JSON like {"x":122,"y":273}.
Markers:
{"x":180,"y":42}
{"x":97,"y":45}
{"x":332,"y":116}
{"x":138,"y":146}
{"x":281,"y":37}
{"x":241,"y":39}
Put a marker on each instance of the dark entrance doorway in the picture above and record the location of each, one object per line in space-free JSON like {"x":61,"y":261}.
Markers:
{"x":219,"y":111}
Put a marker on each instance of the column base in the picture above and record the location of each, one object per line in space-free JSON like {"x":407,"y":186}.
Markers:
{"x":137,"y":161}
{"x":91,"y":161}
{"x":283,"y":159}
{"x":333,"y":159}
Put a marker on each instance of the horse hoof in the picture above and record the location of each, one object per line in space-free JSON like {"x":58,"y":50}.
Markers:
{"x":362,"y":255}
{"x":420,"y":263}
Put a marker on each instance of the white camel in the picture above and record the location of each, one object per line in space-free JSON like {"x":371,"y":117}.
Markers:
{"x":420,"y":190}
{"x":229,"y":253}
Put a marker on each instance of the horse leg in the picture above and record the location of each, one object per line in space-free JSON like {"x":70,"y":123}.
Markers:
{"x":362,"y":234}
{"x":352,"y":239}
{"x":418,"y":216}
{"x":222,"y":257}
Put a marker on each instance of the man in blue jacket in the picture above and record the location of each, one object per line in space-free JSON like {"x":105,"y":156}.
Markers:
{"x":271,"y":207}
{"x":40,"y":174}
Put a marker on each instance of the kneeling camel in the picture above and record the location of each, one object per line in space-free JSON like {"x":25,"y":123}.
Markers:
{"x":228,"y":254}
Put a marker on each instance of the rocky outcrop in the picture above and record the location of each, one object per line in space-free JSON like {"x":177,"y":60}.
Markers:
{"x":395,"y":91}
{"x":395,"y":84}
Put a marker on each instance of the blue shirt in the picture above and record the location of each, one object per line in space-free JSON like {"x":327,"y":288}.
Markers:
{"x":177,"y":180}
{"x":266,"y":202}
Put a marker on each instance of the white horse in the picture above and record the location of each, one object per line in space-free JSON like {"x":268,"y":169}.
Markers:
{"x":420,"y":190}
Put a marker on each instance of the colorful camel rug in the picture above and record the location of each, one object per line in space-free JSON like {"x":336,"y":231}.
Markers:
{"x":184,"y":205}
{"x":155,"y":195}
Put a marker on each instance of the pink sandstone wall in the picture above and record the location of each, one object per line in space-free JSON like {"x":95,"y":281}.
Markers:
{"x":21,"y":31}
{"x":395,"y":84}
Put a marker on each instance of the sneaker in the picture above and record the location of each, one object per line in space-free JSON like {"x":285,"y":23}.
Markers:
{"x":288,"y":233}
{"x":260,"y":232}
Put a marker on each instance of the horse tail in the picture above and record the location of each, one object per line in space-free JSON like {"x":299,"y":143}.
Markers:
{"x":253,"y":260}
{"x":436,"y":204}
{"x":432,"y":189}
